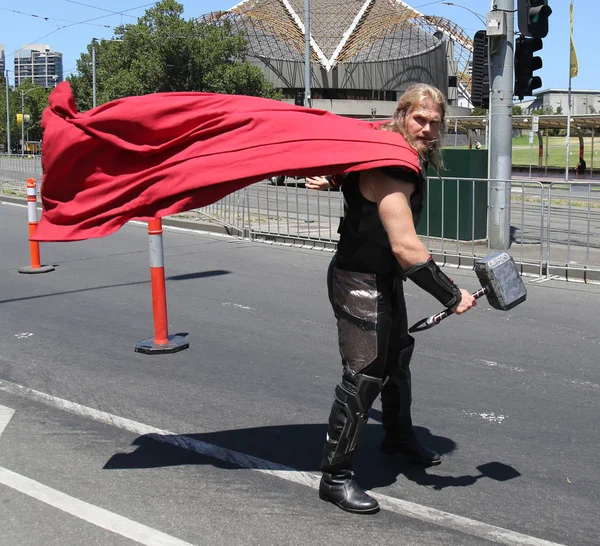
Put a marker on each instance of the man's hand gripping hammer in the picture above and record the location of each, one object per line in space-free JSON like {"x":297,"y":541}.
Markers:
{"x":500,"y":281}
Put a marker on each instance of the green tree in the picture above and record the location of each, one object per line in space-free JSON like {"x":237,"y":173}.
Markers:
{"x":162,"y":52}
{"x":517,"y":110}
{"x":31,"y":99}
{"x":478,"y":111}
{"x":34,"y":100}
{"x":3,"y":140}
{"x":548,"y":111}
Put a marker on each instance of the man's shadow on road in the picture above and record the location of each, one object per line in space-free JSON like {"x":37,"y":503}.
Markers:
{"x":297,"y":447}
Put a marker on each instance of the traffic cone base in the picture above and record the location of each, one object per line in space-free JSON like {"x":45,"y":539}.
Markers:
{"x":29,"y":270}
{"x":176,"y":343}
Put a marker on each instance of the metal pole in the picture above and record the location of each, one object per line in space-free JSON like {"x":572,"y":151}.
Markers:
{"x":94,"y":72}
{"x":592,"y":156}
{"x":7,"y":115}
{"x":501,"y":103}
{"x":487,"y":129}
{"x":570,"y":103}
{"x":307,"y":98}
{"x":547,"y":154}
{"x":22,"y":122}
{"x":455,"y":133}
{"x":568,"y":130}
{"x":568,"y":135}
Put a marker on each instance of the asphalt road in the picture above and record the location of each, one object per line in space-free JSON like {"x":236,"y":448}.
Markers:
{"x":221,"y":443}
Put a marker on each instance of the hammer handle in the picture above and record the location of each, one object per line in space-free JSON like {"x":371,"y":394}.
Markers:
{"x":431,"y":321}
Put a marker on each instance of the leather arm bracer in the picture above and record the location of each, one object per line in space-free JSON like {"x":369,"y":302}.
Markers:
{"x":428,"y":276}
{"x":335,"y":180}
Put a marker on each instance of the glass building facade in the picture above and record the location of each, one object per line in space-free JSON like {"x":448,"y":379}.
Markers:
{"x":39,"y":64}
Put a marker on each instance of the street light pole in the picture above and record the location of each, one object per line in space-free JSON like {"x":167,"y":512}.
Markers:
{"x":22,"y":122}
{"x":46,"y":51}
{"x":478,"y":15}
{"x":307,"y":97}
{"x":499,"y":129}
{"x":7,"y":115}
{"x":23,"y":93}
{"x":94,"y":41}
{"x":501,"y":103}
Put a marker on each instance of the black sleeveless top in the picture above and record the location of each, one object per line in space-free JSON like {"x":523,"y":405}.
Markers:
{"x":364,"y":245}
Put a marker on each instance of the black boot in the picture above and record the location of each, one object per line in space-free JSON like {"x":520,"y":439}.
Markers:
{"x":339,"y":488}
{"x":396,"y":400}
{"x":411,"y":448}
{"x":349,"y":413}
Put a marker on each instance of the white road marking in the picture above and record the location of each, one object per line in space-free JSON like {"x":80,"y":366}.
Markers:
{"x":491,"y":416}
{"x":493,"y":364}
{"x":23,"y":335}
{"x":81,"y":509}
{"x":459,"y":523}
{"x":88,"y":512}
{"x":584,"y":384}
{"x":447,"y":520}
{"x":5,"y":416}
{"x":237,"y":306}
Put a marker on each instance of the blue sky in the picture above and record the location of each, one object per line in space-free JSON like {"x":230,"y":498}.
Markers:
{"x":58,"y":23}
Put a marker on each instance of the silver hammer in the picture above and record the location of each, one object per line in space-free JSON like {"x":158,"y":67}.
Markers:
{"x":500,"y":281}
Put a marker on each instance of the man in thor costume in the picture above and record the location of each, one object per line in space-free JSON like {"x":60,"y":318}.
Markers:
{"x":377,"y":251}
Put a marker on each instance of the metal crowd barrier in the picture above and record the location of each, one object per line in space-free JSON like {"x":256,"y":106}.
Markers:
{"x":287,"y":214}
{"x":554,"y":227}
{"x":573,"y":231}
{"x":292,"y":215}
{"x":16,"y":169}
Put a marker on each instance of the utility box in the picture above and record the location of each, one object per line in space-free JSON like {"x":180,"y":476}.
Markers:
{"x":461,"y":200}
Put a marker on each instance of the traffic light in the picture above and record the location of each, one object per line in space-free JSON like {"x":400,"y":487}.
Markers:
{"x":533,"y":17}
{"x":525,"y":64}
{"x":299,"y":99}
{"x":480,"y":71}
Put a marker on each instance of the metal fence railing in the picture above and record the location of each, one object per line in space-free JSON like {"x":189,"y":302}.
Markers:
{"x":551,"y":235}
{"x":554,"y":227}
{"x":16,"y":169}
{"x":573,"y":230}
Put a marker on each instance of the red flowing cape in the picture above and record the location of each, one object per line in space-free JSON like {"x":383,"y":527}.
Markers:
{"x":150,"y":156}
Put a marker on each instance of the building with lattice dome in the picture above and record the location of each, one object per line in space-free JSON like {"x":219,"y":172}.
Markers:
{"x":364,"y":53}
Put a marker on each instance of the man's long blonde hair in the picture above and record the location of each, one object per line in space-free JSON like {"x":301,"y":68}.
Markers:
{"x":410,"y":100}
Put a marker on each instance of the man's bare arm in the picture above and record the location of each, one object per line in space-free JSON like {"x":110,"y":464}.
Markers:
{"x":393,"y":201}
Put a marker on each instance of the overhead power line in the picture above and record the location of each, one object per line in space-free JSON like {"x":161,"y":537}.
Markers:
{"x":49,"y":18}
{"x":37,"y":40}
{"x":108,"y":10}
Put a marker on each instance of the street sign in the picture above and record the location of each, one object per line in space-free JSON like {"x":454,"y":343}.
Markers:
{"x":530,"y":137}
{"x":535,"y":123}
{"x":20,"y":119}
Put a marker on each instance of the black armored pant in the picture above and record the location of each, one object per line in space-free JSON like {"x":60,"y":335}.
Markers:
{"x":376,"y":350}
